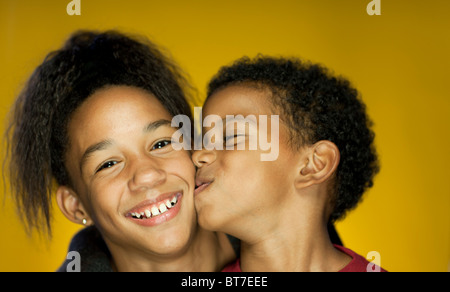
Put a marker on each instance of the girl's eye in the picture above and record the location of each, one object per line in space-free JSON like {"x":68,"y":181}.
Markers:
{"x":107,"y":164}
{"x":161,"y":144}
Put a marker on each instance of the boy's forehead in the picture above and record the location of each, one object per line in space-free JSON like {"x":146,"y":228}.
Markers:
{"x":239,"y":99}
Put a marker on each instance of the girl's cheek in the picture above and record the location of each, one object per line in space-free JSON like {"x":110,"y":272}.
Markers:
{"x":184,"y":167}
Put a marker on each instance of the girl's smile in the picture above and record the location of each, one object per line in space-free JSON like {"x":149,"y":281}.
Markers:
{"x":156,"y":211}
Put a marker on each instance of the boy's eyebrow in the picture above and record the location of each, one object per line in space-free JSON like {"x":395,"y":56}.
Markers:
{"x":107,"y":143}
{"x":234,"y":119}
{"x":224,"y":120}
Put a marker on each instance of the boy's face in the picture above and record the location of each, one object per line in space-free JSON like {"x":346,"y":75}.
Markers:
{"x":237,"y":192}
{"x":136,"y":188}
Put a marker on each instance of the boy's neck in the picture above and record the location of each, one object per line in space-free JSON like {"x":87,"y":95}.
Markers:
{"x":206,"y":252}
{"x":299,"y":241}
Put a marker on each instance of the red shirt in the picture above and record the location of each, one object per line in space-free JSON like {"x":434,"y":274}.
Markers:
{"x":357,"y":264}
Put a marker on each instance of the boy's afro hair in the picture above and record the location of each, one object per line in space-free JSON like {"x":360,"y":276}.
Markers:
{"x":315,"y":106}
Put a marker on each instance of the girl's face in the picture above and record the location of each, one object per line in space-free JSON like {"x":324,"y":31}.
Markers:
{"x":135,"y":187}
{"x":238,"y":193}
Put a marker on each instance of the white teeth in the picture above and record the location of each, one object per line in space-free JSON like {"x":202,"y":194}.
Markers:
{"x":155,"y":211}
{"x":162,"y":208}
{"x":174,"y":201}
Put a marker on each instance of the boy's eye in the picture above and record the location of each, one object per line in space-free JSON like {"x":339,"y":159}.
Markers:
{"x":161,"y":144}
{"x":232,"y":138}
{"x":226,"y":138}
{"x":107,"y":164}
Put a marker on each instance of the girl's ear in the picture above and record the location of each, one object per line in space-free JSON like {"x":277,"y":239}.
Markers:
{"x":71,"y":206}
{"x":319,"y":165}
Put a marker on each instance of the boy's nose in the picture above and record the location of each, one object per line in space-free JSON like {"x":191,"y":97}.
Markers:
{"x":203,"y":157}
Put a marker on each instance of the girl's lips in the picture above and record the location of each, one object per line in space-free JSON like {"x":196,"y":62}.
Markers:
{"x":156,"y":202}
{"x":156,"y":213}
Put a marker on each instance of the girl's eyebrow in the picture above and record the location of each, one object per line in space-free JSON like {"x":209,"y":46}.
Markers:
{"x":102,"y":145}
{"x":93,"y":148}
{"x":156,"y":124}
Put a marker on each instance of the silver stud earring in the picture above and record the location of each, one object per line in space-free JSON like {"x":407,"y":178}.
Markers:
{"x":84,"y":221}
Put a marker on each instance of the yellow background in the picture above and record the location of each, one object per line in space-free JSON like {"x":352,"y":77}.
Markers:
{"x":398,"y":60}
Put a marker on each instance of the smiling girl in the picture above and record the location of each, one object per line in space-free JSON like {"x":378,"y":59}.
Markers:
{"x":92,"y":126}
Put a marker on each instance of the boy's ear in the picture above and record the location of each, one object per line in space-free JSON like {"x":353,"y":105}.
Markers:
{"x":71,"y":206}
{"x":319,"y":164}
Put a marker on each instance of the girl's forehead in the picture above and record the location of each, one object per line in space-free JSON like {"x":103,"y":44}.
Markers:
{"x":120,"y":99}
{"x":114,"y":111}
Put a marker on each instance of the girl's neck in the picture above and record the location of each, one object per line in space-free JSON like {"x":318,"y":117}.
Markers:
{"x":206,"y":252}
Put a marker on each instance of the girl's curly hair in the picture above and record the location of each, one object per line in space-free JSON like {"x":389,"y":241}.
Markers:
{"x":37,"y":134}
{"x":315,"y":106}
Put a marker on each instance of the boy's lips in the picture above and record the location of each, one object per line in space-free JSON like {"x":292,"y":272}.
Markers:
{"x":202,"y":183}
{"x":156,"y":211}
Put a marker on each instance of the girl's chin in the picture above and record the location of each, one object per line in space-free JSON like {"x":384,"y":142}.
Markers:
{"x":169,"y":238}
{"x":171,"y":242}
